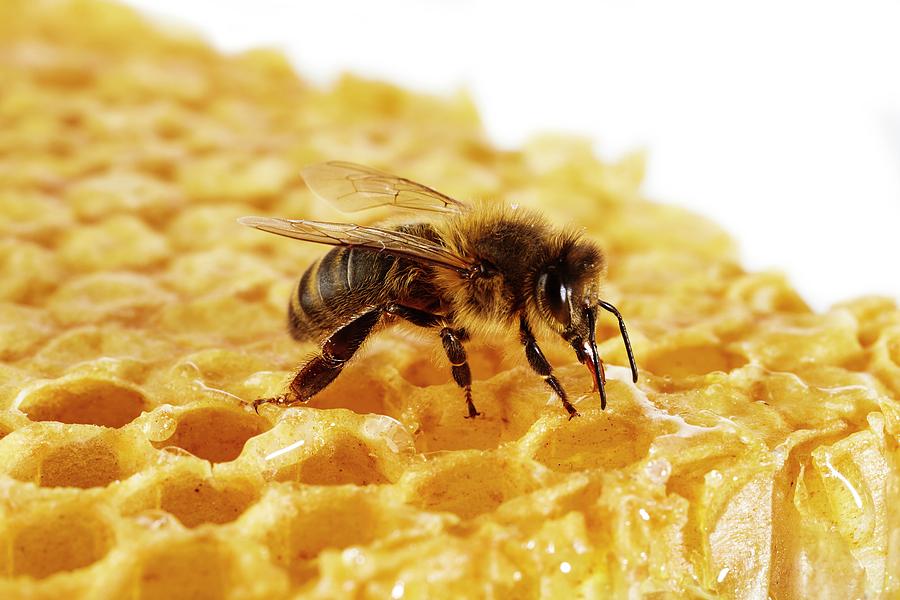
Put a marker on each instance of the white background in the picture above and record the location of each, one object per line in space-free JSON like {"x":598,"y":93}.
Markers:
{"x":766,"y":116}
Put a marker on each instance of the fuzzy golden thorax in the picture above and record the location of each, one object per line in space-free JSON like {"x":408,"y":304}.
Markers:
{"x":519,"y":254}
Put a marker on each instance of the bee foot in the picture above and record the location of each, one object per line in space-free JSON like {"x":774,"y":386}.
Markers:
{"x":281,"y":400}
{"x":473,"y":415}
{"x":574,"y":414}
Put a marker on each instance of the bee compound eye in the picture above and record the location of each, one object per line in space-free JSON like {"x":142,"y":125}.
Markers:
{"x":556,"y":295}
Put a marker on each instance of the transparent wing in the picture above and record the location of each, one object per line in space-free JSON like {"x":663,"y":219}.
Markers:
{"x":351,"y":187}
{"x":347,"y":234}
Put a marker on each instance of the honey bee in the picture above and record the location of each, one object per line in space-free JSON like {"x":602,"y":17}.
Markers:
{"x":478,"y":270}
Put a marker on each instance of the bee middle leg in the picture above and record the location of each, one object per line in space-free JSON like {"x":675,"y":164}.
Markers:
{"x":324,"y":368}
{"x":539,"y":363}
{"x":452,"y":339}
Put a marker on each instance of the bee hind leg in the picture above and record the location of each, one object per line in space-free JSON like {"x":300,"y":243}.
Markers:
{"x":281,"y":400}
{"x":324,"y":368}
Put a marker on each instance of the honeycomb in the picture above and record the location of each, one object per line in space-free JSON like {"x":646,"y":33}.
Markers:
{"x":757,"y":457}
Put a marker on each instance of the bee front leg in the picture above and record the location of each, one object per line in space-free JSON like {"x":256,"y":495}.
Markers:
{"x":324,"y":368}
{"x":539,"y":363}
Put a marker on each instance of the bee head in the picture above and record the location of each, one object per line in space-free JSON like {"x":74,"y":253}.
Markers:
{"x":567,"y":297}
{"x":568,"y":284}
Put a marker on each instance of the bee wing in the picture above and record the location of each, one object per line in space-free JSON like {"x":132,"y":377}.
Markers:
{"x":346,"y":234}
{"x":351,"y":187}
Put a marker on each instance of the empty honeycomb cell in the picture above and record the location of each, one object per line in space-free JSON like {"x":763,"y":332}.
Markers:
{"x":426,"y":363}
{"x":195,"y":500}
{"x":215,"y":433}
{"x":60,"y":455}
{"x":105,"y":297}
{"x":84,"y":400}
{"x":44,"y":541}
{"x":362,"y":393}
{"x":118,"y":242}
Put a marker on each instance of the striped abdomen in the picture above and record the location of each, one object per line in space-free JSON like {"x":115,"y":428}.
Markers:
{"x":339,"y":286}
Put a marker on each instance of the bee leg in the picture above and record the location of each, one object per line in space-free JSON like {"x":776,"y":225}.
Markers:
{"x":540,"y":365}
{"x":452,"y":340}
{"x":459,"y":366}
{"x":281,"y":400}
{"x":336,"y":351}
{"x":324,"y":368}
{"x":415,"y":316}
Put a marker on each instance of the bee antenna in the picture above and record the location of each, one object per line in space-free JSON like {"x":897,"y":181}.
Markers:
{"x":610,"y":308}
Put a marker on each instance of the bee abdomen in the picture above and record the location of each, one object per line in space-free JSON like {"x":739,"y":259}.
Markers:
{"x":302,"y":324}
{"x":334,"y":289}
